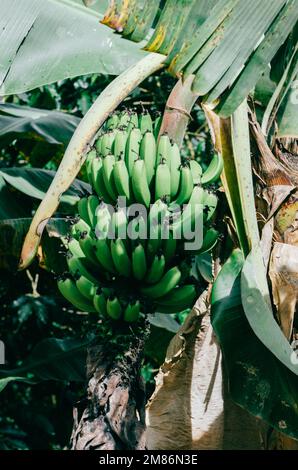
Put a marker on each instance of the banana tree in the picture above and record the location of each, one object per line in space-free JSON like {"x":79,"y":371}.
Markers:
{"x":239,"y":61}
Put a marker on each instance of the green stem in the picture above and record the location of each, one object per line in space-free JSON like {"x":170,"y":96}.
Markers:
{"x":82,"y":139}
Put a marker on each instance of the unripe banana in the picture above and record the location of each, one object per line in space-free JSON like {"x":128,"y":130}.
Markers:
{"x":103,"y":254}
{"x":98,"y":181}
{"x":162,"y":180}
{"x":120,"y":257}
{"x":83,"y":210}
{"x":177,"y":300}
{"x":68,"y":289}
{"x":186,"y":185}
{"x":148,"y":154}
{"x":214,"y":170}
{"x":132,"y":312}
{"x":118,"y":226}
{"x":119,"y":144}
{"x":100,"y":303}
{"x":132,"y":150}
{"x":107,"y":143}
{"x":114,"y":309}
{"x":121,"y":178}
{"x":210,"y":239}
{"x":133,"y":122}
{"x":86,"y":287}
{"x":98,"y":145}
{"x":169,"y":246}
{"x":156,"y":269}
{"x":139,"y":183}
{"x":194,"y":209}
{"x":73,"y":246}
{"x":175,"y":164}
{"x":92,"y":206}
{"x":108,"y":166}
{"x":79,"y":266}
{"x":103,"y":220}
{"x":80,"y":227}
{"x":163,"y":150}
{"x":165,"y":285}
{"x":139,"y":264}
{"x":87,"y":244}
{"x":112,"y":122}
{"x":156,"y":126}
{"x":196,"y":171}
{"x":90,"y":157}
{"x":124,"y":119}
{"x":145,"y":123}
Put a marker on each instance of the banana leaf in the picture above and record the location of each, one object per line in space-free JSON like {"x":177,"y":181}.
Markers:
{"x":258,"y":380}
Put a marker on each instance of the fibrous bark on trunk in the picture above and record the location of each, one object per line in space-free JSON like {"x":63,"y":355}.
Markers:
{"x":111,"y":415}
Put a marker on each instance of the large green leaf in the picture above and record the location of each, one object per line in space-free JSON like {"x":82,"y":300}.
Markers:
{"x":23,"y":122}
{"x":49,"y":40}
{"x":35,"y":182}
{"x":51,"y":359}
{"x":258,"y":381}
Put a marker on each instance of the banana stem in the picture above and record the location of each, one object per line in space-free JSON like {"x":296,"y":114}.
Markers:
{"x":81,"y":140}
{"x":177,"y":110}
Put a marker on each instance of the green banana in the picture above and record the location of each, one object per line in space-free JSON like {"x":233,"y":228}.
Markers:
{"x":210,"y":203}
{"x":114,"y":309}
{"x":80,"y":227}
{"x":69,"y":290}
{"x":132,"y":150}
{"x":214,"y":170}
{"x":79,"y":266}
{"x":118,"y":226}
{"x":156,"y":126}
{"x":124,"y":119}
{"x":107,"y":143}
{"x":148,"y":154}
{"x":89,"y":159}
{"x":98,"y":145}
{"x":169,"y":246}
{"x":120,"y":257}
{"x":189,"y":214}
{"x":132,"y":312}
{"x":88,"y":246}
{"x":74,"y":247}
{"x":119,"y":144}
{"x":121,"y":178}
{"x":103,"y":220}
{"x":83,"y":210}
{"x":98,"y":181}
{"x":162,"y":180}
{"x":133,"y":122}
{"x":186,"y":185}
{"x":103,"y":254}
{"x":92,"y":206}
{"x":145,"y":123}
{"x":86,"y":287}
{"x":156,"y":269}
{"x":112,"y":122}
{"x":139,"y":183}
{"x":178,"y":299}
{"x":209,"y":241}
{"x":108,"y":166}
{"x":139,"y":264}
{"x":196,"y":171}
{"x":163,"y":150}
{"x":175,"y":164}
{"x":169,"y":280}
{"x":100,"y":303}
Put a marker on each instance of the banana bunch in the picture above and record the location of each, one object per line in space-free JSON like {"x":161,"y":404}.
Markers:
{"x":109,"y":245}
